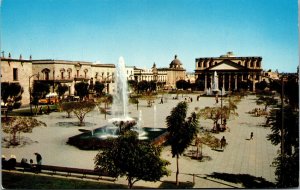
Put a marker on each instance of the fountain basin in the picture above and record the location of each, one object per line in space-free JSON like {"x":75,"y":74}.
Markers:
{"x":98,"y":139}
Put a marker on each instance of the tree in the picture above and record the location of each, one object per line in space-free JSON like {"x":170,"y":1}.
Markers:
{"x":107,"y":100}
{"x":267,"y":101}
{"x":287,"y":135}
{"x":61,"y":90}
{"x":39,"y":91}
{"x":181,"y":131}
{"x":182,"y":84}
{"x":261,"y":85}
{"x":137,"y":160}
{"x":216,"y":113}
{"x":98,"y":88}
{"x":143,"y":86}
{"x":82,"y":89}
{"x":11,"y":95}
{"x":67,"y":107}
{"x":80,"y":109}
{"x":14,"y":125}
{"x":133,"y":84}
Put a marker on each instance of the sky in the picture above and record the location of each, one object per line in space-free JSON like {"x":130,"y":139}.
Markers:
{"x":152,"y":31}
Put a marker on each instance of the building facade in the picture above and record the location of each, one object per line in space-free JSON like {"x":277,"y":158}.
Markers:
{"x":18,"y":71}
{"x":231,"y":71}
{"x":69,"y":73}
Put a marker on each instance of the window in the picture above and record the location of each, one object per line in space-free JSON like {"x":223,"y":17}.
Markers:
{"x":258,"y":64}
{"x":46,"y":75}
{"x":77,"y":73}
{"x":15,"y":74}
{"x":62,"y":75}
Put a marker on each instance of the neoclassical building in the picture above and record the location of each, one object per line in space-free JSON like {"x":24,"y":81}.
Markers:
{"x":231,"y":71}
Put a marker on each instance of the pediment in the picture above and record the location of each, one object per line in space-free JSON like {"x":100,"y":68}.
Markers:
{"x":226,"y":65}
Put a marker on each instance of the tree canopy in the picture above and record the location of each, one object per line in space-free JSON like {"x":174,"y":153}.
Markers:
{"x":61,"y":89}
{"x":14,"y":125}
{"x":181,"y":131}
{"x":11,"y":94}
{"x":137,"y":160}
{"x":82,"y":89}
{"x":98,"y":88}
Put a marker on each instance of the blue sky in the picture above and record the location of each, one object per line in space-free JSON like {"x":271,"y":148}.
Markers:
{"x":148,"y":31}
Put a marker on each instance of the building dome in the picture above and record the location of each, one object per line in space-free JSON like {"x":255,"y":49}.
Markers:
{"x":176,"y":63}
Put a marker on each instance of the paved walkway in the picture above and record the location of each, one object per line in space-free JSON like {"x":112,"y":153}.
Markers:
{"x":241,"y":156}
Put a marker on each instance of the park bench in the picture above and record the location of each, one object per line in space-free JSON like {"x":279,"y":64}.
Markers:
{"x":56,"y":170}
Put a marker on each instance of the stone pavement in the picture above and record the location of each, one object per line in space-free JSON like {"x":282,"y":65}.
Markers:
{"x":241,"y":156}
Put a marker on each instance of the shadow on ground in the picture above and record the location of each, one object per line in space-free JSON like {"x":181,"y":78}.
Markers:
{"x":172,"y":185}
{"x":248,"y":181}
{"x":74,"y":124}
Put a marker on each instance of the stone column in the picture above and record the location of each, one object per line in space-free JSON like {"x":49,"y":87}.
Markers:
{"x":210,"y":82}
{"x":229,"y":85}
{"x":235,"y":82}
{"x":205,"y":82}
{"x":253,"y":84}
{"x":242,"y":77}
{"x":223,"y":85}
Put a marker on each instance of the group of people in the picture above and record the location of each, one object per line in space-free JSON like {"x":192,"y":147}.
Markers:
{"x":11,"y":163}
{"x":47,"y":110}
{"x":188,"y":99}
{"x":220,"y":127}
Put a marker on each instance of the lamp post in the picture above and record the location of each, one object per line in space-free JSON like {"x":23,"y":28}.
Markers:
{"x":30,"y":99}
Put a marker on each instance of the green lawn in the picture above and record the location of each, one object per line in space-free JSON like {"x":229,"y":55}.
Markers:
{"x":31,"y":181}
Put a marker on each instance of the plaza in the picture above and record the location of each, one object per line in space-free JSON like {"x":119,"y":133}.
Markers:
{"x":241,"y":155}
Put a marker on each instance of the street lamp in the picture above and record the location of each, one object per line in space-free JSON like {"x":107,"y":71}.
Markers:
{"x":30,"y":99}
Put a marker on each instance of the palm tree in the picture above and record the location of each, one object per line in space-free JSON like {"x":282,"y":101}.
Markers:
{"x":181,"y":131}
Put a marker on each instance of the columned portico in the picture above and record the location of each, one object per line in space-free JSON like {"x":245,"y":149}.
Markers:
{"x":234,"y":73}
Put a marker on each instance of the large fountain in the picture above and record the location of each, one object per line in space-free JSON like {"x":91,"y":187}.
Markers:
{"x":120,"y":121}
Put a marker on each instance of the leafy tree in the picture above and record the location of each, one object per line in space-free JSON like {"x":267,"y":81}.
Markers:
{"x":61,"y":90}
{"x":143,"y":86}
{"x":14,"y":125}
{"x":82,"y":89}
{"x":182,"y":84}
{"x":267,"y":101}
{"x":137,"y":160}
{"x":80,"y":109}
{"x":39,"y":91}
{"x":152,"y":85}
{"x":291,"y":91}
{"x":133,"y":84}
{"x":67,"y":107}
{"x":11,"y":94}
{"x":107,"y":100}
{"x":226,"y":111}
{"x":181,"y":131}
{"x":98,"y":87}
{"x":287,"y":135}
{"x":261,"y":85}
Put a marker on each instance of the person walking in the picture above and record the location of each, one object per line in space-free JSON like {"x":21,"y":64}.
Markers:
{"x":38,"y":161}
{"x":223,"y":142}
{"x":251,"y":135}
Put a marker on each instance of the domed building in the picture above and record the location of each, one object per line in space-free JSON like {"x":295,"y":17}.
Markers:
{"x":175,"y":72}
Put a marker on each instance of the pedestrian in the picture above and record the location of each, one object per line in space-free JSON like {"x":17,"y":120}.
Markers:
{"x":217,"y":100}
{"x":161,"y":101}
{"x":251,"y":135}
{"x":38,"y":161}
{"x":41,"y":110}
{"x":48,"y":109}
{"x":223,"y":142}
